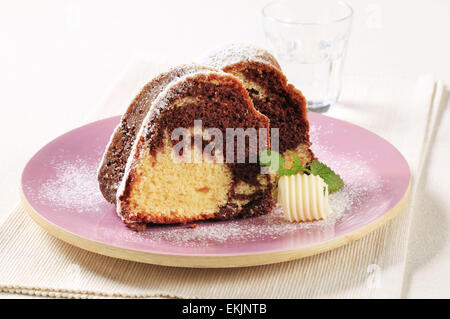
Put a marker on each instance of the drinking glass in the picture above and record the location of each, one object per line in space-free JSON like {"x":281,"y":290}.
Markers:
{"x":309,"y":39}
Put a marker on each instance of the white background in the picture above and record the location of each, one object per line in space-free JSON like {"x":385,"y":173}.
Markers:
{"x":59,"y":58}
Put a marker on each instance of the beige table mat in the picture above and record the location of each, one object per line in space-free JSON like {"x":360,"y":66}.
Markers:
{"x":399,"y":109}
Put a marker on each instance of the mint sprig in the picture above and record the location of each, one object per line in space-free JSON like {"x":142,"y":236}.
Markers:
{"x":276,"y":163}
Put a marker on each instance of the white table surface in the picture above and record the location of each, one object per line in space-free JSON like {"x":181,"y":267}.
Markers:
{"x":59,"y":58}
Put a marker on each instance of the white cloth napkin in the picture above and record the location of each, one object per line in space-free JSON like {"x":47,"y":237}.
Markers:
{"x":428,"y":262}
{"x":399,"y":109}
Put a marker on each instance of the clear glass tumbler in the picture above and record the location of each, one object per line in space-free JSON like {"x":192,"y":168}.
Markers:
{"x":309,"y":39}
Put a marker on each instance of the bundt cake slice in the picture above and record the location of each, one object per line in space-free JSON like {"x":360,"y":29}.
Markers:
{"x":160,"y":186}
{"x":282,"y":103}
{"x":112,"y":167}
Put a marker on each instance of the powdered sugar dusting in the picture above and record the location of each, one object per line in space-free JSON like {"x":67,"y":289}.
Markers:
{"x":229,"y":54}
{"x":74,"y":186}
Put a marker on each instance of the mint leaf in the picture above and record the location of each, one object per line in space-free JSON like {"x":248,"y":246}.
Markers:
{"x":333,"y":180}
{"x":274,"y":161}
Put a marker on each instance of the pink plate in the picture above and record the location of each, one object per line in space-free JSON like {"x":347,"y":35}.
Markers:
{"x":60,"y":191}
